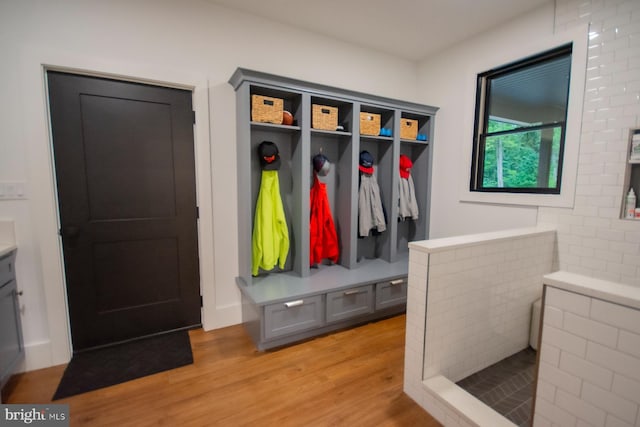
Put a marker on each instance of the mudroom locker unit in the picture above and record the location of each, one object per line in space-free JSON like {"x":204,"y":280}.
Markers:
{"x":299,"y":301}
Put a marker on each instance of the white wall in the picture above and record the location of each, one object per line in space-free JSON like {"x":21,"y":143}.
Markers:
{"x":191,"y":43}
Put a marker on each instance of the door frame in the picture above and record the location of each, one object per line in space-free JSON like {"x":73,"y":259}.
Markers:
{"x":44,"y":203}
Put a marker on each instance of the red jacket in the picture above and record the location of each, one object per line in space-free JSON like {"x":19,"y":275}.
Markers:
{"x":323,"y":241}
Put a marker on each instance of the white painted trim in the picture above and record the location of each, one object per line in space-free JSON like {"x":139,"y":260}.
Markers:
{"x":36,"y":356}
{"x":228,"y":315}
{"x":494,"y":58}
{"x":43,"y":203}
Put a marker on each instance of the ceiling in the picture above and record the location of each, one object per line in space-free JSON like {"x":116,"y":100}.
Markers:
{"x":411,"y":29}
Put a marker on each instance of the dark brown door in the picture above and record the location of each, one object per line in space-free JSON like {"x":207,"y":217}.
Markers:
{"x":125,"y":165}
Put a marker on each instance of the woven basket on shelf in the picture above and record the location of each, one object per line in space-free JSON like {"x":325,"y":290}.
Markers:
{"x":324,"y":117}
{"x":408,"y":128}
{"x":369,"y":124}
{"x":266,"y":109}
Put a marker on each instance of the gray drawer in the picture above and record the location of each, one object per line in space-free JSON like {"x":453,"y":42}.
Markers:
{"x":349,"y":303}
{"x":391,"y":293}
{"x":6,"y":269}
{"x":292,"y":316}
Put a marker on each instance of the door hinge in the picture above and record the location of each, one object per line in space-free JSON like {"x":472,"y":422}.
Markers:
{"x":201,"y":301}
{"x":194,"y":117}
{"x":197,"y":212}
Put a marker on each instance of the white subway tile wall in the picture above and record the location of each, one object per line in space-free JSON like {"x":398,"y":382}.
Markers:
{"x":592,"y":240}
{"x":477,"y":311}
{"x":479,"y":303}
{"x":597,"y":379}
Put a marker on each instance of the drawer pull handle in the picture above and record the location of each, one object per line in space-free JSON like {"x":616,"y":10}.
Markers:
{"x":294,"y":303}
{"x":352,"y":292}
{"x":397,"y":282}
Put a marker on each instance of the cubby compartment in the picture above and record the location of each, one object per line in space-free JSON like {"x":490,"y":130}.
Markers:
{"x":304,"y":300}
{"x":292,"y":102}
{"x":423,"y":127}
{"x":338,"y":150}
{"x":375,"y":244}
{"x":408,"y":229}
{"x":288,"y":143}
{"x":386,"y":121}
{"x":344,"y":114}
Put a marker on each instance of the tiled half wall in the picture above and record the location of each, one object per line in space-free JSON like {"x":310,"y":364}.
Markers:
{"x":469,"y":306}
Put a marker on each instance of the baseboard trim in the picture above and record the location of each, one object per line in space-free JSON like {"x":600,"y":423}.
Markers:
{"x":228,"y":315}
{"x":36,"y":356}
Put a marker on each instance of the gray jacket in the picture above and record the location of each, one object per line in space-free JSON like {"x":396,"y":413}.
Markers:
{"x":370,"y":212}
{"x":407,"y":204}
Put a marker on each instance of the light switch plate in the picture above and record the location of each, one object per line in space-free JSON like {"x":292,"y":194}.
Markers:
{"x":13,"y":190}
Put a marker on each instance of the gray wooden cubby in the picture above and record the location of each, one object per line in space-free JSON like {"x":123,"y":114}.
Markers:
{"x":368,"y":282}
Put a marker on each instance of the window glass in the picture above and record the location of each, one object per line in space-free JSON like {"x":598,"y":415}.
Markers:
{"x":520,"y":124}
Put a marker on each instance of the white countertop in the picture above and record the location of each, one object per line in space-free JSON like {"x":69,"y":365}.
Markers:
{"x":7,"y":236}
{"x":447,"y":243}
{"x":617,"y":293}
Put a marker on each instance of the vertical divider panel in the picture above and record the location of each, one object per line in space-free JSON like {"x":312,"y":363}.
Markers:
{"x":349,"y":170}
{"x":301,"y":184}
{"x":385,"y":182}
{"x":244,"y":161}
{"x":394,"y":179}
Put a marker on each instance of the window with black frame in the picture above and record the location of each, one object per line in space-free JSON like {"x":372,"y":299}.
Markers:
{"x":520,"y":122}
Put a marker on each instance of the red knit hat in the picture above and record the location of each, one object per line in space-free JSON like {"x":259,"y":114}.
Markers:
{"x":405,"y":166}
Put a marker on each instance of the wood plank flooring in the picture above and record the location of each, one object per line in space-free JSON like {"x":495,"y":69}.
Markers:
{"x":349,"y":378}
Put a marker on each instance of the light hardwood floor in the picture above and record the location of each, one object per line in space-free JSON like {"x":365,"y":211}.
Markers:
{"x":349,"y":378}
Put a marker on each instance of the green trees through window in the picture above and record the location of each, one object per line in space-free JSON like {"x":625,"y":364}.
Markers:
{"x":513,"y":160}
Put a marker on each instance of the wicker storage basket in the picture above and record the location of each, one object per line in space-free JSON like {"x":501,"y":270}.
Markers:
{"x":369,"y":124}
{"x":324,"y":117}
{"x":265,"y":109}
{"x":408,"y":129}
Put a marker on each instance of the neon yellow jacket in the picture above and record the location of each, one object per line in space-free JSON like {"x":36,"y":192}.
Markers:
{"x":270,"y":242}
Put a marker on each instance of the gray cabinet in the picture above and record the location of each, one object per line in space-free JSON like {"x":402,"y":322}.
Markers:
{"x":11,"y":343}
{"x":367,"y":264}
{"x":349,"y":303}
{"x":391,"y":293}
{"x":293,"y":316}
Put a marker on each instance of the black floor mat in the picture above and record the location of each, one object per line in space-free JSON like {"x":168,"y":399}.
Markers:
{"x":108,"y":366}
